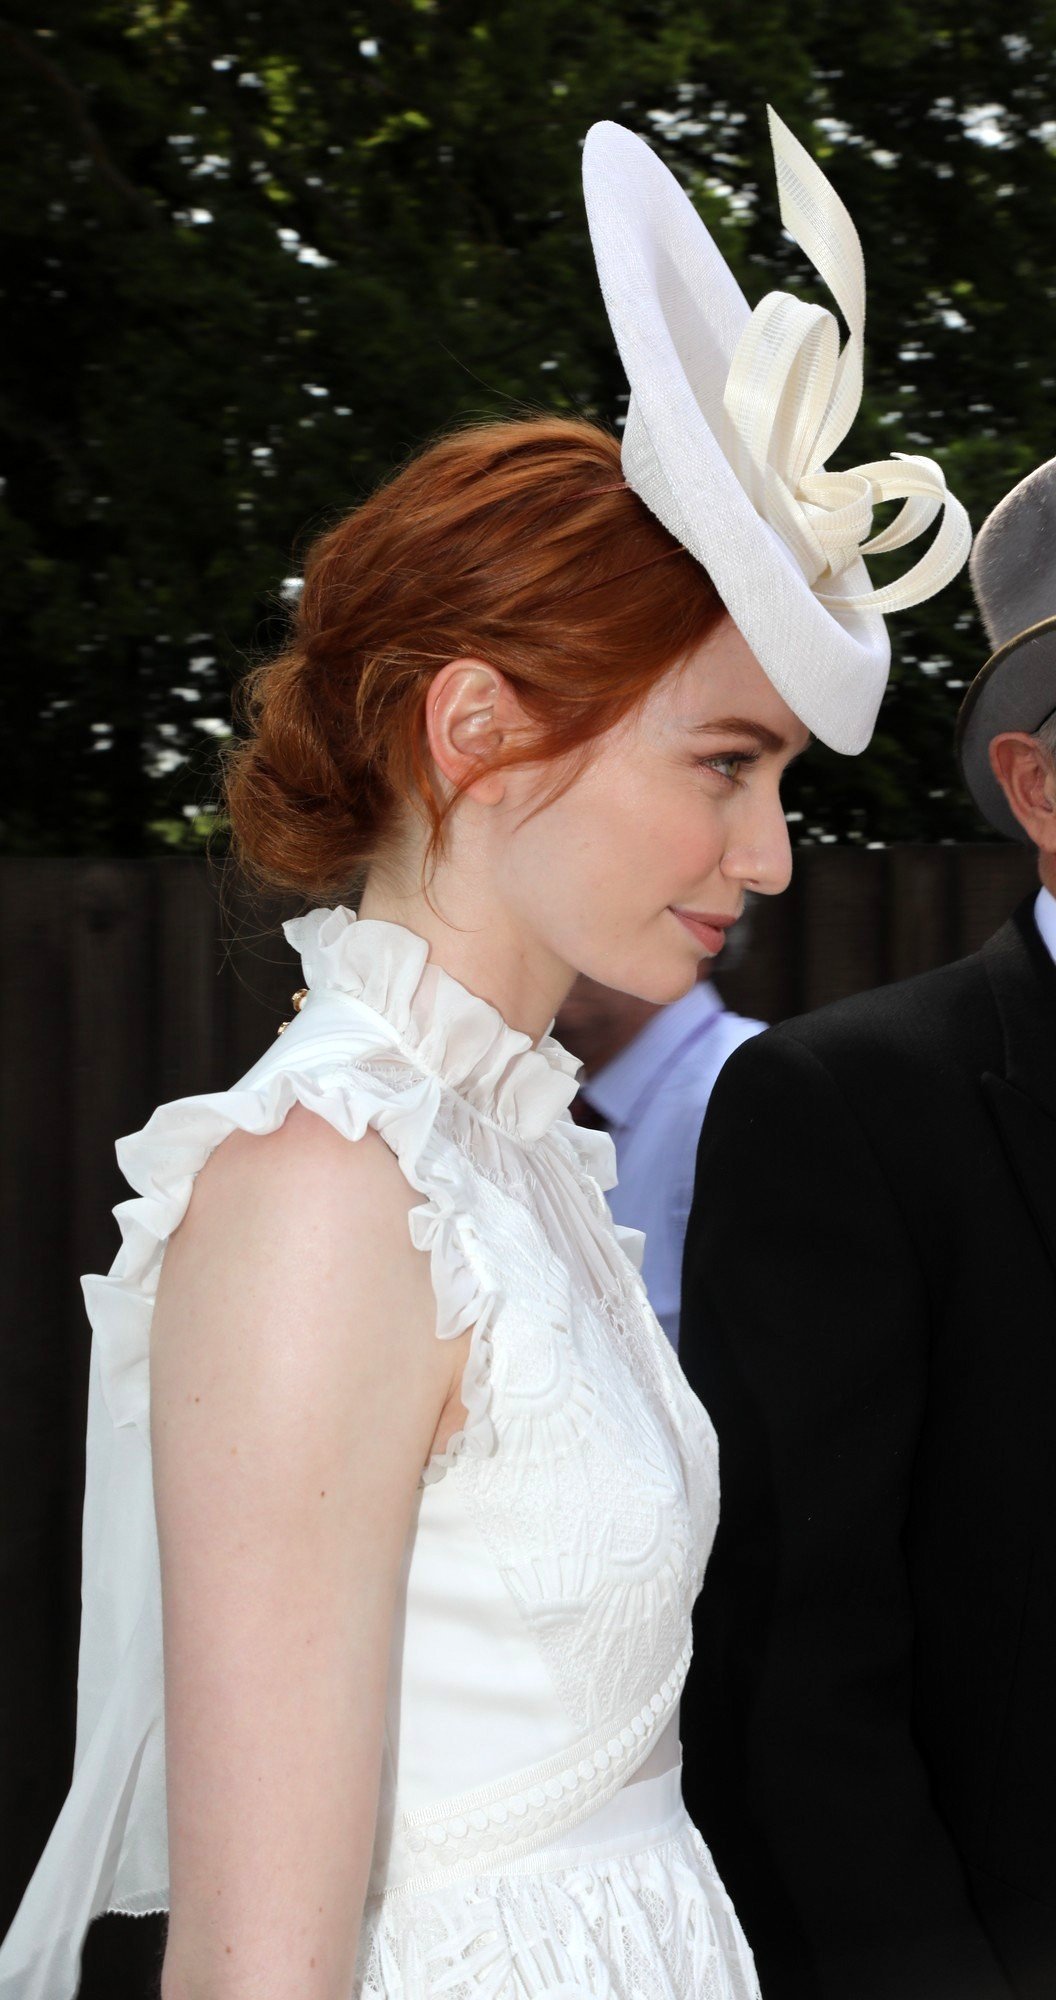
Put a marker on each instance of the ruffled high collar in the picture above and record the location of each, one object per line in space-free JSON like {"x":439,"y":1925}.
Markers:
{"x":438,"y":1024}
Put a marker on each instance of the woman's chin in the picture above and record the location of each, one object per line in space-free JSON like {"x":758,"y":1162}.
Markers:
{"x":673,"y":981}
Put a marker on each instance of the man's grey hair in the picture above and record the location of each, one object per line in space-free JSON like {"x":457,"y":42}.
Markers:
{"x":1045,"y":737}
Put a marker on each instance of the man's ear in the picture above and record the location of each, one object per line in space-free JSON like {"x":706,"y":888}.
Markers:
{"x":471,"y":714}
{"x":1026,"y":776}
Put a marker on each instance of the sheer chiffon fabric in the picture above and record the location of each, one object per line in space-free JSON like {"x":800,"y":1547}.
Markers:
{"x":530,"y":1835}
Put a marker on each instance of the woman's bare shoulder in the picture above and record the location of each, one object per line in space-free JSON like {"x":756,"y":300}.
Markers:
{"x":301,"y":1226}
{"x":304,"y":1161}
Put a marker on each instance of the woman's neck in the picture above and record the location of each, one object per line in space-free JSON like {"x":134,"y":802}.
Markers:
{"x":472,"y":937}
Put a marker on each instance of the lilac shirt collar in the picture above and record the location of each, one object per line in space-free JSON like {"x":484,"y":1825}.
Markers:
{"x":1045,"y":918}
{"x":617,"y":1089}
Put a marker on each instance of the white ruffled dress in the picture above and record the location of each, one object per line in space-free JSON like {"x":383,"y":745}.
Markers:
{"x":531,"y":1838}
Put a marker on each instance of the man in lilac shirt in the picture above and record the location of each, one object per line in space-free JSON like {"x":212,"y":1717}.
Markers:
{"x":650,"y":1071}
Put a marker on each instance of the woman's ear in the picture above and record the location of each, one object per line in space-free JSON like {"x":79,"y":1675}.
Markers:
{"x":471,"y":714}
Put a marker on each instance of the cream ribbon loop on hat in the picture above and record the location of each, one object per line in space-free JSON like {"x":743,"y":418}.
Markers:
{"x":791,"y":397}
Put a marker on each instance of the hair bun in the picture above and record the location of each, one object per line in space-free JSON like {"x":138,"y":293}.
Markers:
{"x":518,"y":542}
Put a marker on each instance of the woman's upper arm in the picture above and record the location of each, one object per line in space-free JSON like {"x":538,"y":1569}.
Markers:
{"x":295,"y":1388}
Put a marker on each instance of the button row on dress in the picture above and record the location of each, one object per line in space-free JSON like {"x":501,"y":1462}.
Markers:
{"x":297,"y":1001}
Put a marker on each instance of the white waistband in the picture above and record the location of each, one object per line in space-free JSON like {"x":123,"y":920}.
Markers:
{"x":640,"y":1813}
{"x":645,"y":1812}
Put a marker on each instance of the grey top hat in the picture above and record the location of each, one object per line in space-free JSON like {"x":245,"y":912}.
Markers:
{"x":1013,"y":573}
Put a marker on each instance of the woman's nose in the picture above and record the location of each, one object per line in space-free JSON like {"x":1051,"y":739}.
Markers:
{"x":760,"y":854}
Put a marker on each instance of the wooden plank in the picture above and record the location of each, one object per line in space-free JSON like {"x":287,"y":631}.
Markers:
{"x":115,"y":1038}
{"x":261,"y":971}
{"x":191,"y":1055}
{"x":990,"y":880}
{"x":36,"y":1666}
{"x":920,"y":909}
{"x":842,"y":922}
{"x":757,"y":973}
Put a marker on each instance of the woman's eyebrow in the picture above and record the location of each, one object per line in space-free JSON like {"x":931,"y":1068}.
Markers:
{"x":729,"y":725}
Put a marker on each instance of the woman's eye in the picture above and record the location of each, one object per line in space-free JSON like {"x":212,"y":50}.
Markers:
{"x":727,"y":766}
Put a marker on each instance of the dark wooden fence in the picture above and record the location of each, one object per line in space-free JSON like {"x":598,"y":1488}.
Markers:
{"x":125,"y":984}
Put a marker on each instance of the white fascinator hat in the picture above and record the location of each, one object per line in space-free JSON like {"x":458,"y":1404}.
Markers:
{"x":733,"y":415}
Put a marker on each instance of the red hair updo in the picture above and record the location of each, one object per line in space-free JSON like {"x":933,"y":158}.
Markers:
{"x":514,"y":542}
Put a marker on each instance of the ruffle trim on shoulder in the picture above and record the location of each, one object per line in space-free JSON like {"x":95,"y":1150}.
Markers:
{"x":443,"y":1230}
{"x":593,"y":1153}
{"x":440,"y":1026}
{"x":631,"y":1242}
{"x":162,"y":1161}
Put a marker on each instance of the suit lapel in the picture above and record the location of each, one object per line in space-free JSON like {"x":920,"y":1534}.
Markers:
{"x":1023,"y":1101}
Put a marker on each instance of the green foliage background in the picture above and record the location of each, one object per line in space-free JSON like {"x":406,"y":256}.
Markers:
{"x":252,"y":257}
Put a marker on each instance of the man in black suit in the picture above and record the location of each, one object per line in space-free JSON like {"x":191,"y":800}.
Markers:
{"x":869,"y":1314}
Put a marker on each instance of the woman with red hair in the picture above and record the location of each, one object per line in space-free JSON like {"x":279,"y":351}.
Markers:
{"x":390,"y":1557}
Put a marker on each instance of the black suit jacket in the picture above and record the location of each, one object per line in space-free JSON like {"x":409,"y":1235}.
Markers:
{"x":869,"y":1314}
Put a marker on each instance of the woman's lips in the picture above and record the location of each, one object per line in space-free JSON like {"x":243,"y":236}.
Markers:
{"x":708,"y":931}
